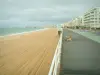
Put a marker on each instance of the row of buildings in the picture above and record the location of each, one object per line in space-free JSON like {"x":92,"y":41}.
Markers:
{"x":90,"y":19}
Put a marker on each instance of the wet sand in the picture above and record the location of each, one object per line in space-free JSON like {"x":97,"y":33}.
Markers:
{"x":28,"y":54}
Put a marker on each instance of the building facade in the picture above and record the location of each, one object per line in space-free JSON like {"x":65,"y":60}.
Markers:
{"x":92,"y":18}
{"x":76,"y":22}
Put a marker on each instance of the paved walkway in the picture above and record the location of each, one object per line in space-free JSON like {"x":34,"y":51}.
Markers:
{"x":91,"y":35}
{"x":80,"y":56}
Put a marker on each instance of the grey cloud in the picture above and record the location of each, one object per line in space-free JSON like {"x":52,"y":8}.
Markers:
{"x":36,"y":12}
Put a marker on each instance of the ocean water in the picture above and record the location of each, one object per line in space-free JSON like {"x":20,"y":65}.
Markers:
{"x":15,"y":30}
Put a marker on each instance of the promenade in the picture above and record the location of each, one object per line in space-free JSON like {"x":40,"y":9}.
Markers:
{"x":89,"y":34}
{"x":81,"y":56}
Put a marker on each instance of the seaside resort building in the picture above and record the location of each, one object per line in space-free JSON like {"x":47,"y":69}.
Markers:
{"x":92,"y":18}
{"x":77,"y":22}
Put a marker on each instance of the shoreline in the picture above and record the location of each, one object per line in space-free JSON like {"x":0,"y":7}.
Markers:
{"x":30,"y":53}
{"x":24,"y":32}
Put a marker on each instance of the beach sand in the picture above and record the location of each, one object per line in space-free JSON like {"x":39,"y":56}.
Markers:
{"x":28,"y":54}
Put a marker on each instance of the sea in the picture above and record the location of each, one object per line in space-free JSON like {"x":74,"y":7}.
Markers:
{"x":16,"y":30}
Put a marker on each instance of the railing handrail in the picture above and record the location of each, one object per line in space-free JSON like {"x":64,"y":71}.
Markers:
{"x":56,"y":58}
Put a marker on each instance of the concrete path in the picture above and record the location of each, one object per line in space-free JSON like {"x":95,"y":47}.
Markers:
{"x":80,"y":56}
{"x":91,"y":35}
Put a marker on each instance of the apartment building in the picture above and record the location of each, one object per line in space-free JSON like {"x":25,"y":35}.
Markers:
{"x":92,"y":18}
{"x":77,"y":22}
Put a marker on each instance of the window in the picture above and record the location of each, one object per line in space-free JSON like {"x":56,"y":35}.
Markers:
{"x":92,"y":18}
{"x":91,"y":21}
{"x":92,"y":12}
{"x":95,"y":18}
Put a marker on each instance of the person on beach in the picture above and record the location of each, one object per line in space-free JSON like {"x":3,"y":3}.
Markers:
{"x":59,"y":32}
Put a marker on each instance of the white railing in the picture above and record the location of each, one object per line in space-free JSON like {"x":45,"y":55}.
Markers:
{"x":56,"y":59}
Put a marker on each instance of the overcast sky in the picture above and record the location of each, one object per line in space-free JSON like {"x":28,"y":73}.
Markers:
{"x":42,"y":12}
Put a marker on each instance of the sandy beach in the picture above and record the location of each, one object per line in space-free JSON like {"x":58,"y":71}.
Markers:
{"x":28,"y":54}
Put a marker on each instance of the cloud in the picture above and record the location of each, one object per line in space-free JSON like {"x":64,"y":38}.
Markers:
{"x":36,"y":12}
